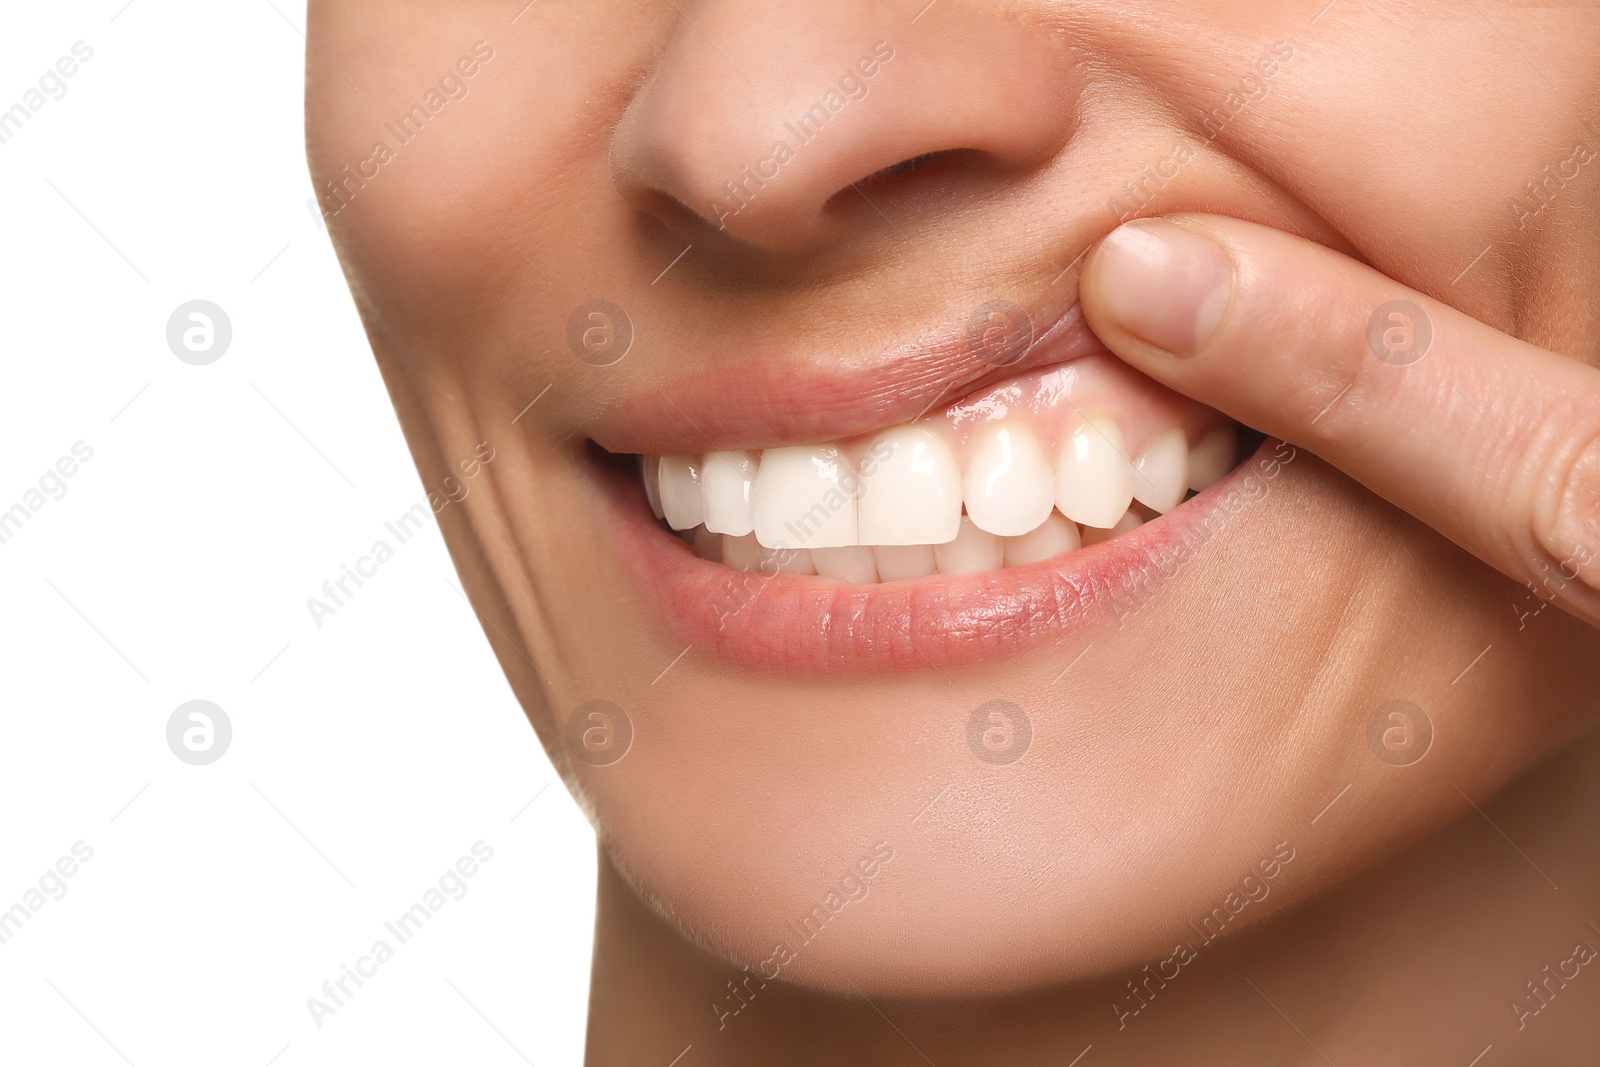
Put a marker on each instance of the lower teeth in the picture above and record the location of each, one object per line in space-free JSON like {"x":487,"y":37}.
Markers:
{"x":973,"y":551}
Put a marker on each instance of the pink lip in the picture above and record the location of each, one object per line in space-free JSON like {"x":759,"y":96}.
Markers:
{"x":744,"y":402}
{"x":805,"y":625}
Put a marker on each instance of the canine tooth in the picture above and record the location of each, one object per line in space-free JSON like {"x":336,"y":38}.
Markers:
{"x":726,"y":480}
{"x":1093,"y":535}
{"x":1161,"y":475}
{"x":910,"y":489}
{"x":852,"y":563}
{"x":680,"y":491}
{"x":1212,"y":457}
{"x":1094,"y":481}
{"x":1009,"y":488}
{"x":1053,"y":537}
{"x":974,"y":550}
{"x":897,"y":563}
{"x":651,"y":471}
{"x":805,"y":498}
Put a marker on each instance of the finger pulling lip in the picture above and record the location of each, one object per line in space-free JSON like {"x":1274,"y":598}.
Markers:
{"x":805,"y":625}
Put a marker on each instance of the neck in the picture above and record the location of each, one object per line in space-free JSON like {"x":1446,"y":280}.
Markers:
{"x":1484,"y":934}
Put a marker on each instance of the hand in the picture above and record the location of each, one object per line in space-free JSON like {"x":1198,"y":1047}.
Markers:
{"x":1492,"y":441}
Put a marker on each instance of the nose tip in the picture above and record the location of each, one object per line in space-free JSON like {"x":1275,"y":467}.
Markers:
{"x":756,"y":119}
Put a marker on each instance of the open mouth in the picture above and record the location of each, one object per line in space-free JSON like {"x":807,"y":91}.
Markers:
{"x":1034,"y":468}
{"x":1035,"y":506}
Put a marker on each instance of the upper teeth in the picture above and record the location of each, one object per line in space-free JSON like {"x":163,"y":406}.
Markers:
{"x":1009,"y":487}
{"x":905,"y":487}
{"x":1161,"y":473}
{"x":1094,"y":481}
{"x":805,"y":497}
{"x":912,"y":494}
{"x":726,"y":487}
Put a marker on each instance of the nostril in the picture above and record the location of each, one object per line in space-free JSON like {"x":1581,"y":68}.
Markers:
{"x":666,"y":208}
{"x":927,"y":172}
{"x":906,"y":166}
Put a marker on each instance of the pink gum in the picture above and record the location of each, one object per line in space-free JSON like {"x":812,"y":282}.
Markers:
{"x":1054,"y":401}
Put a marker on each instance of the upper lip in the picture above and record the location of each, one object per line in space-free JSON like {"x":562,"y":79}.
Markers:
{"x":765,"y":403}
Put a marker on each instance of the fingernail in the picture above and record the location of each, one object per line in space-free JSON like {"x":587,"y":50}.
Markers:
{"x":1163,"y":283}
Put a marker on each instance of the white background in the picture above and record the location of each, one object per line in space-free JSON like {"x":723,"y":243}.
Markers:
{"x":367,"y":755}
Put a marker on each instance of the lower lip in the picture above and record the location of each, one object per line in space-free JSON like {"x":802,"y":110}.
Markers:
{"x":808,"y":625}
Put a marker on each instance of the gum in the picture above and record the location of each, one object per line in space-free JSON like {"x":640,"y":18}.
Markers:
{"x":1054,"y":401}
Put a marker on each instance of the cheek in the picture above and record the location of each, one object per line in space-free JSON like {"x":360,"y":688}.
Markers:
{"x":500,"y":190}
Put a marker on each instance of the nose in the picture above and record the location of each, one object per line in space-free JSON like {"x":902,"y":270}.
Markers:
{"x":766,"y":120}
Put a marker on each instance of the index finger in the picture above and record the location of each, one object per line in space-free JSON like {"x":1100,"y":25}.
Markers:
{"x":1490,"y":440}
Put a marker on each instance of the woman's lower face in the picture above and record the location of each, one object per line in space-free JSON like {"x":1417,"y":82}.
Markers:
{"x":849,"y":583}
